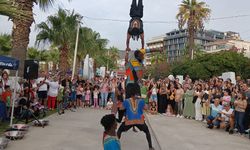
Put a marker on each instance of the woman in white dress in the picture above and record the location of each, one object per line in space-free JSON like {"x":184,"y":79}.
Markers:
{"x":198,"y":94}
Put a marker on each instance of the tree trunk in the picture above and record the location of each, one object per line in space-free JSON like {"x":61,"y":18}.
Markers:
{"x":20,"y":34}
{"x":63,"y":62}
{"x":191,"y":34}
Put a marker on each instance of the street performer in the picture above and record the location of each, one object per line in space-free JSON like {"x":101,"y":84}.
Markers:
{"x":135,"y":29}
{"x":134,"y":117}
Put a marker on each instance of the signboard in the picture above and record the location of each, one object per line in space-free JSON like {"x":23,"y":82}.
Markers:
{"x":229,"y":75}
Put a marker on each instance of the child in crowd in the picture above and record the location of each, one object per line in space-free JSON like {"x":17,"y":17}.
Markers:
{"x":87,"y":96}
{"x":110,"y":140}
{"x":2,"y":105}
{"x":109,"y":104}
{"x":73,"y":93}
{"x":60,"y":108}
{"x":83,"y":96}
{"x":6,"y":98}
{"x":79,"y":92}
{"x":96,"y":93}
{"x":226,"y":99}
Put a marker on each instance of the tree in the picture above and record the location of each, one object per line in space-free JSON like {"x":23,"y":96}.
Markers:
{"x":208,"y":65}
{"x":192,"y":14}
{"x":59,"y":30}
{"x":90,"y":42}
{"x":33,"y":53}
{"x":158,"y":58}
{"x":10,"y":9}
{"x":54,"y":56}
{"x":5,"y":44}
{"x":21,"y":28}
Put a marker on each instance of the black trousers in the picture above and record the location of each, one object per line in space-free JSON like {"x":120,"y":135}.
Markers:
{"x":246,"y":120}
{"x":136,"y":10}
{"x":141,"y":127}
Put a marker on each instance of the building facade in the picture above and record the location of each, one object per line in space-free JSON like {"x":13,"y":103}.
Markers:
{"x":175,"y":42}
{"x":229,"y":44}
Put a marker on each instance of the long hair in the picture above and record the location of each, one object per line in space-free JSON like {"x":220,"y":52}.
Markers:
{"x":133,"y":31}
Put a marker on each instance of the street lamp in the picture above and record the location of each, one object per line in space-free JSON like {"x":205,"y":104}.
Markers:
{"x":76,"y":46}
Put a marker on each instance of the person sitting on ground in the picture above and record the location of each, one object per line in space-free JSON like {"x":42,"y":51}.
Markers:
{"x":109,"y":104}
{"x":110,"y":140}
{"x":223,"y":119}
{"x":215,"y":109}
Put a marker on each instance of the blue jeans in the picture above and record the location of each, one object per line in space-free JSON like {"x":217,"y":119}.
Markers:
{"x":112,"y":96}
{"x":239,"y":117}
{"x":104,"y":97}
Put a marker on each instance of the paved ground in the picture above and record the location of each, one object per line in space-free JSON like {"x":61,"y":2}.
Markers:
{"x":182,"y":134}
{"x":79,"y":130}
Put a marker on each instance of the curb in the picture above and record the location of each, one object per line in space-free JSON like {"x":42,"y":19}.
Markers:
{"x":152,"y":131}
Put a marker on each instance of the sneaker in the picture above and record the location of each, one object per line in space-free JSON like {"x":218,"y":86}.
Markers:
{"x":235,"y":130}
{"x":210,"y":126}
{"x":178,"y":116}
{"x":231,"y":131}
{"x":204,"y":121}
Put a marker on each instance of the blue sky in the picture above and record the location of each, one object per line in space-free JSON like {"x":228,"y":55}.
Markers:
{"x":154,"y":10}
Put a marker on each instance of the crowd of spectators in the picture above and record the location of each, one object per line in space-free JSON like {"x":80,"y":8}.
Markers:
{"x":218,"y":103}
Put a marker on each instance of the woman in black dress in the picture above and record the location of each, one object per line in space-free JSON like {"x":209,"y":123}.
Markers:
{"x":162,"y":103}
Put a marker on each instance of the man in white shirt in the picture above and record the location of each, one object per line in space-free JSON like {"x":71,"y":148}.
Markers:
{"x":42,"y":88}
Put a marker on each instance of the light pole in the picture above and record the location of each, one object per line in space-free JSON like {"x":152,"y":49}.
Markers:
{"x":74,"y":62}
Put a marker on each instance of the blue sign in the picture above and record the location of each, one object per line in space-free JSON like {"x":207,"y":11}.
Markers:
{"x":9,"y":63}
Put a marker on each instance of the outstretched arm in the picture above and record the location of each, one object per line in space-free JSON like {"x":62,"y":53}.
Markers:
{"x":126,"y":57}
{"x":142,"y":40}
{"x":127,"y":42}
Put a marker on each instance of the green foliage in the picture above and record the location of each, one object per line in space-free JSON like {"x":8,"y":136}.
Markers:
{"x":90,"y":42}
{"x":158,"y":70}
{"x":109,"y":58}
{"x":59,"y":29}
{"x":158,"y":58}
{"x":11,"y":9}
{"x":5,"y":44}
{"x":44,"y":55}
{"x":208,"y":65}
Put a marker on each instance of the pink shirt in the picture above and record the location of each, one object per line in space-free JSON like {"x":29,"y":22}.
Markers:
{"x":105,"y":88}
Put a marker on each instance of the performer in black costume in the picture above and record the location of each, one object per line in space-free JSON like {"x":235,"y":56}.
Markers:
{"x":135,"y":29}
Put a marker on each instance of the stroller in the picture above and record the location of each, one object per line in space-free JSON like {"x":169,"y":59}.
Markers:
{"x":39,"y":110}
{"x":26,"y":111}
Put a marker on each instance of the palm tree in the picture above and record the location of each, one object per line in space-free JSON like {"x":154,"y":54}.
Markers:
{"x":59,"y":30}
{"x":10,"y":8}
{"x":192,"y":14}
{"x":33,"y":53}
{"x":90,"y":42}
{"x":53,"y":57}
{"x":21,"y":28}
{"x":5,"y":44}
